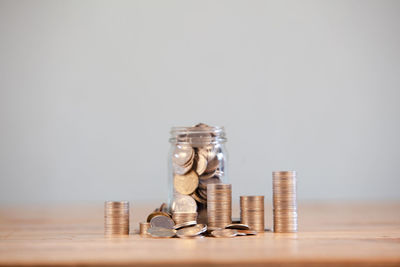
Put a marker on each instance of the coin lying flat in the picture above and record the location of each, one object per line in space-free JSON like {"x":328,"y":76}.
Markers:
{"x":224,"y":233}
{"x":192,"y":230}
{"x":246,"y":232}
{"x":186,"y":184}
{"x":237,"y":226}
{"x":160,"y":232}
{"x":184,"y":224}
{"x":162,"y":221}
{"x":184,"y":203}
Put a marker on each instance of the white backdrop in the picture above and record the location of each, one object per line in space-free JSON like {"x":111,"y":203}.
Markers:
{"x":90,"y":89}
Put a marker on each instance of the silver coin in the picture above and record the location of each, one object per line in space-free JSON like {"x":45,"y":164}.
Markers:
{"x":160,"y":232}
{"x":224,"y":233}
{"x":184,"y":224}
{"x":237,"y":226}
{"x":183,"y":203}
{"x":182,"y":155}
{"x":246,"y":232}
{"x":162,"y":221}
{"x":192,"y":230}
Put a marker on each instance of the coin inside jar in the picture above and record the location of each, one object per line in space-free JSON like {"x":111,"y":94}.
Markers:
{"x":162,"y":221}
{"x":186,"y":184}
{"x":182,"y":155}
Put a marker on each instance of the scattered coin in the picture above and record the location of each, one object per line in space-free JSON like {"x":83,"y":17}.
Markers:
{"x":160,"y":232}
{"x":156,"y":213}
{"x":224,"y":233}
{"x":237,"y":226}
{"x":162,"y":221}
{"x":246,"y":232}
{"x":192,"y":230}
{"x":185,"y":224}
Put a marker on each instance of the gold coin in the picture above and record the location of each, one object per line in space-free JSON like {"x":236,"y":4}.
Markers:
{"x":186,"y":184}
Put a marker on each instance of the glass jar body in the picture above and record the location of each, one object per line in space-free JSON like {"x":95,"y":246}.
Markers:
{"x":197,"y":157}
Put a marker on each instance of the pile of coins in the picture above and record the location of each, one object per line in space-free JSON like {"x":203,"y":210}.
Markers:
{"x":196,"y":162}
{"x":252,"y":212}
{"x":219,"y":205}
{"x":284,"y":201}
{"x":116,"y":218}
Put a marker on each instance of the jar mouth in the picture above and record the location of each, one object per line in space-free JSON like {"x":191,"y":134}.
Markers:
{"x":201,"y":135}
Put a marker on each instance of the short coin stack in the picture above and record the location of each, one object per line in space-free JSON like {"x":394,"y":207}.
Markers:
{"x":183,"y":217}
{"x":252,"y":212}
{"x":116,"y":218}
{"x":284,"y":201}
{"x":219,"y":205}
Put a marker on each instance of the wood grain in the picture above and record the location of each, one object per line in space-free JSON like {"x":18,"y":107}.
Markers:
{"x":336,"y":234}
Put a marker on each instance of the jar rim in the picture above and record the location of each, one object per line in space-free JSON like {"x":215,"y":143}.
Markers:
{"x":216,"y":134}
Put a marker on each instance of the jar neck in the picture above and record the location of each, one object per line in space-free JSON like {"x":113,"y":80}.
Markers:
{"x":198,"y":136}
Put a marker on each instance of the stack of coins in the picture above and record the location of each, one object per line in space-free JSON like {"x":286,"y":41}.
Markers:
{"x":143,"y":227}
{"x":252,"y":212}
{"x":116,"y":218}
{"x":182,"y":217}
{"x":219,"y":205}
{"x":284,"y":201}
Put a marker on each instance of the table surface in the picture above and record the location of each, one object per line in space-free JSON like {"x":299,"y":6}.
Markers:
{"x":346,"y":234}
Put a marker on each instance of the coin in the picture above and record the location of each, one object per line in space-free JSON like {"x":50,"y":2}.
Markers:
{"x":192,"y":230}
{"x":162,"y":221}
{"x":184,"y":224}
{"x":160,"y":232}
{"x":183,"y":203}
{"x":155,"y":213}
{"x":186,"y":184}
{"x":246,"y":232}
{"x":182,"y":155}
{"x":237,"y":226}
{"x":201,"y":164}
{"x":224,"y":233}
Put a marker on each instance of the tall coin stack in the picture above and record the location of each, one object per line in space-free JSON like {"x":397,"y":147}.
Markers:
{"x":284,"y":201}
{"x":116,"y":218}
{"x":252,"y":212}
{"x":219,"y":205}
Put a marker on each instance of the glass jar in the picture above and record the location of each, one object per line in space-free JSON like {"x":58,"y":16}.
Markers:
{"x":197,"y":157}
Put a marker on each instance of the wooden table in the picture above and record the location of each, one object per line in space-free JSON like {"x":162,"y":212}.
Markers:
{"x":339,"y":234}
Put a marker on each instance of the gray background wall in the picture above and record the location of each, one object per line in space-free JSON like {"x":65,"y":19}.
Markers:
{"x":90,"y":89}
